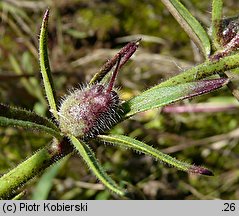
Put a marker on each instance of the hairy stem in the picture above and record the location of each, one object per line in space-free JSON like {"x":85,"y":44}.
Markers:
{"x":42,"y":159}
{"x":203,"y":70}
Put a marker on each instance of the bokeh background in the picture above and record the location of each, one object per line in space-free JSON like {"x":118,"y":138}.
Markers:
{"x":82,"y":36}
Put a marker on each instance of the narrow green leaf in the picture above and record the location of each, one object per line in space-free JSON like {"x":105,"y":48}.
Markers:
{"x":45,"y":183}
{"x":6,"y":122}
{"x":45,"y":66}
{"x":16,"y":117}
{"x":90,"y":159}
{"x":160,"y":96}
{"x":191,"y":26}
{"x":127,"y":142}
{"x":216,"y":23}
{"x":24,"y":115}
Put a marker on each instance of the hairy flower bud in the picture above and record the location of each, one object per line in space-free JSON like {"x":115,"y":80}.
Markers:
{"x":86,"y":112}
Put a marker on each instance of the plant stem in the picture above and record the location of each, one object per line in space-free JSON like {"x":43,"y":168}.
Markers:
{"x":42,"y":159}
{"x":206,"y":69}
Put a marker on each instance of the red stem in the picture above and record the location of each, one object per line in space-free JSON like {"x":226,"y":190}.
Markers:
{"x":113,"y":78}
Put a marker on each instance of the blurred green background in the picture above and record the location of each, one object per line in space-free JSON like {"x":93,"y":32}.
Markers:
{"x":82,"y":36}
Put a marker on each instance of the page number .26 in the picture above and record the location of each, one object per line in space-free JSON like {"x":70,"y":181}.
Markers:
{"x":229,"y":207}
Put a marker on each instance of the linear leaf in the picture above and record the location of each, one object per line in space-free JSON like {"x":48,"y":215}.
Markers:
{"x":191,"y":26}
{"x":6,"y":122}
{"x":94,"y":165}
{"x":160,"y":96}
{"x":216,"y":23}
{"x":24,"y":115}
{"x":128,"y":142}
{"x":45,"y":66}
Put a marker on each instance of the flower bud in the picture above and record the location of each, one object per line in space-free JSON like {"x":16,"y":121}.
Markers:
{"x":87,"y":112}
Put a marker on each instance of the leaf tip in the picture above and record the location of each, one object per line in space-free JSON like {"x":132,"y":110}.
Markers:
{"x":46,"y":16}
{"x":200,"y":170}
{"x":216,"y":83}
{"x":206,"y":86}
{"x":137,"y":41}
